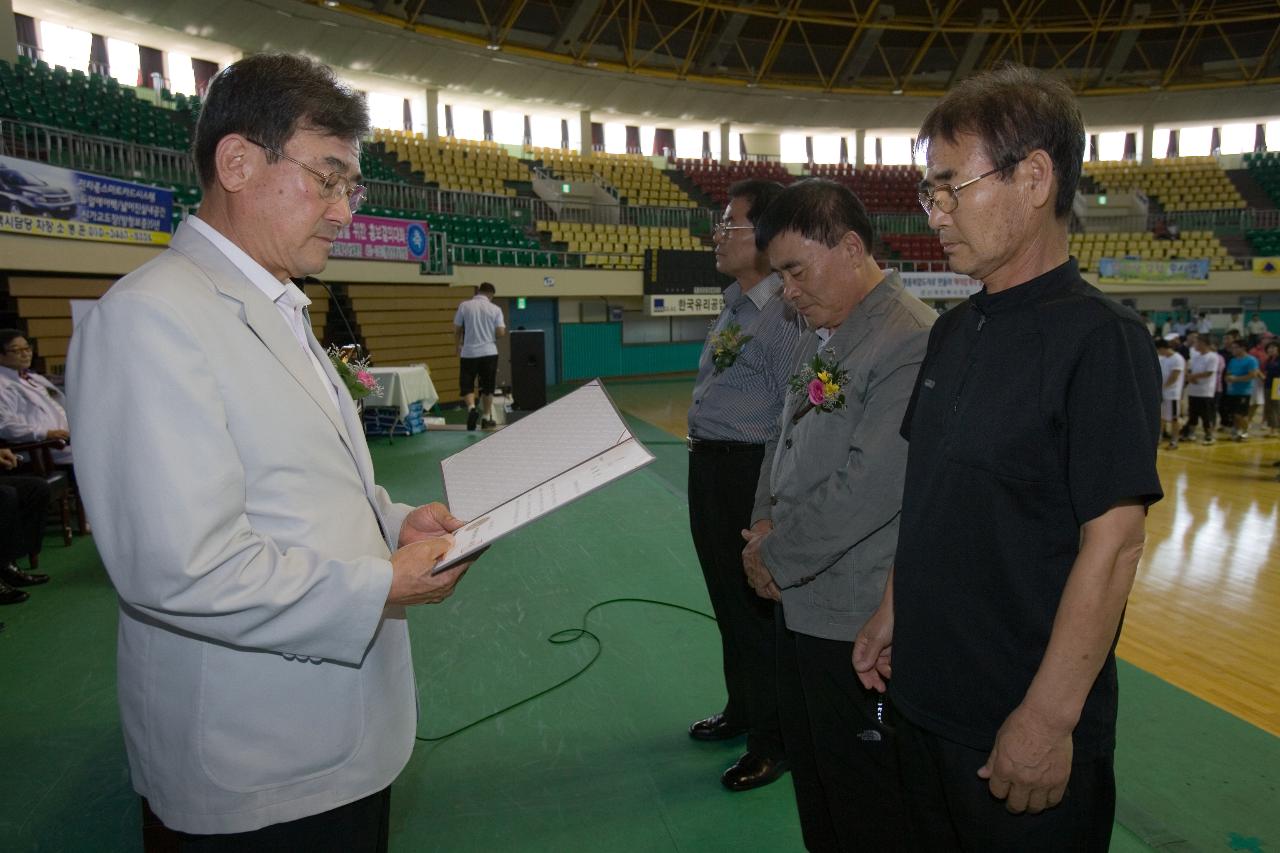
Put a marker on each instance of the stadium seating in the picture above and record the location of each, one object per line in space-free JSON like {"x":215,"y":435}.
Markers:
{"x":93,"y":105}
{"x":632,"y":175}
{"x":883,"y":189}
{"x":1264,"y":241}
{"x":464,"y":165}
{"x":1091,"y":247}
{"x":714,"y":179}
{"x":913,"y":247}
{"x":1264,"y":167}
{"x":1177,"y":183}
{"x":617,"y":246}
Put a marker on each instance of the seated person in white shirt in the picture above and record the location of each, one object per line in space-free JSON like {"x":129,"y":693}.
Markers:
{"x":31,"y":407}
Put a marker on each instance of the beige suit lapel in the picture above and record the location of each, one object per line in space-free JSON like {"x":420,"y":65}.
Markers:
{"x":264,"y":320}
{"x":351,"y":429}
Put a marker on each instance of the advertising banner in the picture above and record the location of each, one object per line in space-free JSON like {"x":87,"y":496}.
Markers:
{"x":687,"y":305}
{"x":1195,"y":271}
{"x":376,"y":238}
{"x":939,"y":285}
{"x":1266,"y":266}
{"x":49,"y":201}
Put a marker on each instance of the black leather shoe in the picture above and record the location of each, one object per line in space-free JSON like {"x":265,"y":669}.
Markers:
{"x":753,"y":771}
{"x":9,"y":595}
{"x":14,"y":576}
{"x":473,"y":418}
{"x":715,"y":727}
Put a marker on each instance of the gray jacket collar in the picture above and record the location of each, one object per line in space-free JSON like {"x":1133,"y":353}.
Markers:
{"x":862,"y":318}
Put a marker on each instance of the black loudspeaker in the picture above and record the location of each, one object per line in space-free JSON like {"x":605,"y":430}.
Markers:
{"x":528,"y":373}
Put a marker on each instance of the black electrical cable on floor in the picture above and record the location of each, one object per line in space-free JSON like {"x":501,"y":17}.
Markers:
{"x":560,"y":638}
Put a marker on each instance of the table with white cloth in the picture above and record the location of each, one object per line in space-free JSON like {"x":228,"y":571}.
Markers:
{"x":407,"y":394}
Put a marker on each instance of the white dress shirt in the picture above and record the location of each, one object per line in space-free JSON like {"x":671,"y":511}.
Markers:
{"x":286,"y":295}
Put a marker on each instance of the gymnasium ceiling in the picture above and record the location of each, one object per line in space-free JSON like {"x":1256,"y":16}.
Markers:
{"x":767,"y":65}
{"x":866,"y":46}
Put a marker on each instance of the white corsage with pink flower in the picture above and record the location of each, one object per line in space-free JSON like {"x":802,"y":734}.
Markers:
{"x":822,"y":384}
{"x":354,"y":371}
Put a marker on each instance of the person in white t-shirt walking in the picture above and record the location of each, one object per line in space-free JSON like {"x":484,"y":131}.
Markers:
{"x":1173,"y":372}
{"x":1202,"y":381}
{"x":478,"y":324}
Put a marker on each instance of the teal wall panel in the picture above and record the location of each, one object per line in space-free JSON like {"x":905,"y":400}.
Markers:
{"x":596,"y":349}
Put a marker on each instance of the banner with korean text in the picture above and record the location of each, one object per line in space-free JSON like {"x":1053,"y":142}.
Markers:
{"x":683,"y":305}
{"x":377,"y":238}
{"x":49,"y":201}
{"x":1191,"y":271}
{"x":939,"y":285}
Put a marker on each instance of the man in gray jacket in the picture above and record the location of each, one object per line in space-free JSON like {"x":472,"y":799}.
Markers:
{"x":825,"y":524}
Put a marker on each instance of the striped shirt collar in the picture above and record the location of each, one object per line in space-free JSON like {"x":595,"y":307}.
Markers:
{"x":764,"y":290}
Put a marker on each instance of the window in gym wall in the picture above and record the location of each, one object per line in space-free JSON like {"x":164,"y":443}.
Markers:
{"x":647,"y":132}
{"x":1238,"y":138}
{"x":1194,"y":141}
{"x":182,"y":75}
{"x":418,"y":112}
{"x":826,"y":148}
{"x":65,"y":46}
{"x":544,"y":130}
{"x":792,"y":148}
{"x":1111,"y":145}
{"x":508,"y":127}
{"x":468,"y":121}
{"x":895,"y":150}
{"x":124,"y":60}
{"x":689,"y":142}
{"x":615,"y":137}
{"x":1160,"y":142}
{"x":386,"y":110}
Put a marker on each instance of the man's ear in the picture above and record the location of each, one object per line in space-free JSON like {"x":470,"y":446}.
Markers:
{"x":234,"y":162}
{"x":1038,"y":166}
{"x":853,"y":247}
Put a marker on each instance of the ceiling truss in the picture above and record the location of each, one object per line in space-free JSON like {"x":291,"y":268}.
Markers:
{"x":915,"y":47}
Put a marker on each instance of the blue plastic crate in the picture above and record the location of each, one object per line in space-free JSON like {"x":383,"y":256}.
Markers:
{"x":386,"y":420}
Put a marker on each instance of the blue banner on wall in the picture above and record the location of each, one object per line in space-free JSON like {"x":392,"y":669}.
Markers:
{"x":49,"y":201}
{"x":1136,"y":269}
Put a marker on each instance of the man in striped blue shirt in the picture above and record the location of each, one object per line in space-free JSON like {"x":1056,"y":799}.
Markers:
{"x":737,"y":402}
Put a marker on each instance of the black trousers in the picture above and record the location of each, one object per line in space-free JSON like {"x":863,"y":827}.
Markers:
{"x":950,"y":809}
{"x":24,"y":501}
{"x":1199,"y":409}
{"x":359,"y":827}
{"x":843,"y":764}
{"x":722,"y":488}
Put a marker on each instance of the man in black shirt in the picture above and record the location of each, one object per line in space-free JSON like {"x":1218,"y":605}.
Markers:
{"x":1033,"y":431}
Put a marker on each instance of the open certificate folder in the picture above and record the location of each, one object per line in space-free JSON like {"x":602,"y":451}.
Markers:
{"x":535,"y":466}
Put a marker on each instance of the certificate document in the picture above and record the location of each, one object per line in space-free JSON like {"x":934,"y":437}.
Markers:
{"x":535,"y":466}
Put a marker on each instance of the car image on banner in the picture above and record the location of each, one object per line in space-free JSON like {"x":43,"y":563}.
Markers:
{"x":42,"y":200}
{"x":21,"y":192}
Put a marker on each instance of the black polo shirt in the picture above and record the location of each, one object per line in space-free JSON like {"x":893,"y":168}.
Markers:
{"x":1036,"y":409}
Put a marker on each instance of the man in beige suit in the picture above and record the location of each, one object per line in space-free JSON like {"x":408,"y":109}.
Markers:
{"x":266,"y":688}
